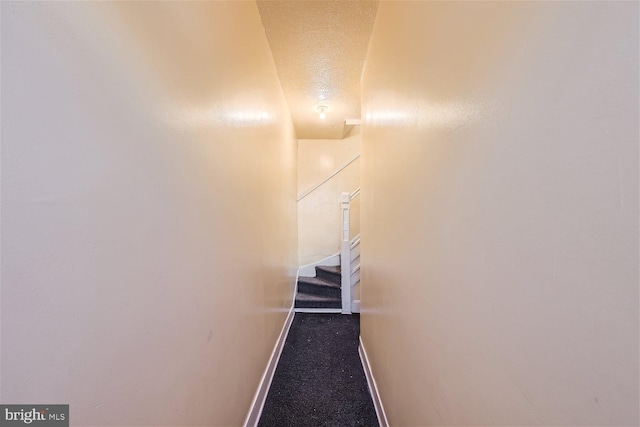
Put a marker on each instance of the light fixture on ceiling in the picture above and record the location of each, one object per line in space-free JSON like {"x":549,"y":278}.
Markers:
{"x":322,"y":109}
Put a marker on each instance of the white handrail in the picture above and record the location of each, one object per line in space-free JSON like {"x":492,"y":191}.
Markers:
{"x":334,"y":173}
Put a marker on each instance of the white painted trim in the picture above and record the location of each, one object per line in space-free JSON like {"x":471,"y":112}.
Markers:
{"x":309,"y":270}
{"x":255,"y":410}
{"x":355,"y":269}
{"x":373,"y":387}
{"x":345,"y":277}
{"x":355,"y":278}
{"x":295,"y":289}
{"x":355,"y":254}
{"x":334,"y":173}
{"x":318,"y":310}
{"x":355,"y":194}
{"x":345,"y":254}
{"x":355,"y":306}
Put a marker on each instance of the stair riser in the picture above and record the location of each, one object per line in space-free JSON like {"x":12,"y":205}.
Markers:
{"x":308,"y":288}
{"x":331,"y":277}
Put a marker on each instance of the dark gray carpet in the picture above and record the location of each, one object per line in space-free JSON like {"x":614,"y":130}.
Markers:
{"x":319,"y":380}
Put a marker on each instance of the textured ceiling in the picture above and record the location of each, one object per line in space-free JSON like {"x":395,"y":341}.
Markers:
{"x":319,"y":48}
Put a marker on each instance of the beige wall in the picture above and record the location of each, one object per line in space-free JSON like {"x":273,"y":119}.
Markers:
{"x":319,"y":211}
{"x":500,"y":212}
{"x":148,"y":209}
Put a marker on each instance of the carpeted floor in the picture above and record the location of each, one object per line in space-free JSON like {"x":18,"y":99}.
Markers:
{"x":319,"y":380}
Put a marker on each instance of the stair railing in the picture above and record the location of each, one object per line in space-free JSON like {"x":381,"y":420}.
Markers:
{"x":350,"y":252}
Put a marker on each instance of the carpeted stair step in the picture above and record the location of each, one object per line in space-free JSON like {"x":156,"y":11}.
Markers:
{"x":318,"y":286}
{"x":316,"y":301}
{"x":331,"y":274}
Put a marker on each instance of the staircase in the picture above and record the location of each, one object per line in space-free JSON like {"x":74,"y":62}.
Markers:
{"x":335,"y":288}
{"x":322,"y":291}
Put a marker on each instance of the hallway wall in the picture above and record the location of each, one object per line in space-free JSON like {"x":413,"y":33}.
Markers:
{"x":500,"y":212}
{"x":148,"y":209}
{"x":319,"y":212}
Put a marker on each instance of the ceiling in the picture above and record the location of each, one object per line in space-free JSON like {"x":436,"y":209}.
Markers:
{"x":319,"y":48}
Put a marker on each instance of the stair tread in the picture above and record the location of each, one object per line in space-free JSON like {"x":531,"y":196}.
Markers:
{"x":317,"y":301}
{"x":301,"y":296}
{"x":319,"y":282}
{"x":330,"y":269}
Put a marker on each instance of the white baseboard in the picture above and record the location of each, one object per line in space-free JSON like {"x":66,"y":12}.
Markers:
{"x":373,"y":388}
{"x":261,"y":394}
{"x":318,"y":310}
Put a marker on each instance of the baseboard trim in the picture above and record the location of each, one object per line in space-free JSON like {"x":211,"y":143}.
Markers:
{"x":373,"y":387}
{"x":265,"y":383}
{"x":318,"y":310}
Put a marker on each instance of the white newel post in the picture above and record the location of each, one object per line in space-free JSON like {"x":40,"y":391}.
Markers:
{"x":345,"y":255}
